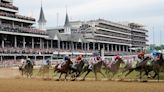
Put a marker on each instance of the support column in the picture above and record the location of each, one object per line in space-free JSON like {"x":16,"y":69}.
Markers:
{"x":32,"y":43}
{"x":58,"y":44}
{"x":76,"y":46}
{"x":1,"y":59}
{"x":24,"y":42}
{"x":123,"y":48}
{"x":126,"y":48}
{"x":81,"y":46}
{"x":94,"y":46}
{"x":88,"y":46}
{"x":63,"y":45}
{"x":112,"y":47}
{"x":66,"y":45}
{"x":15,"y":41}
{"x":108,"y":47}
{"x":15,"y":58}
{"x":119,"y":48}
{"x":104,"y":46}
{"x":70,"y":45}
{"x":98,"y":46}
{"x":3,"y":42}
{"x":116,"y":48}
{"x":47,"y":44}
{"x":51,"y":43}
{"x":43,"y":43}
{"x":40,"y":43}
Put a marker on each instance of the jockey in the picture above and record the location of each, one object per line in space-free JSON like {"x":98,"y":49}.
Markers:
{"x":78,"y":59}
{"x":65,"y":59}
{"x":47,"y":62}
{"x":156,"y":55}
{"x":95,"y":59}
{"x":141,"y":56}
{"x":117,"y":57}
{"x":29,"y":61}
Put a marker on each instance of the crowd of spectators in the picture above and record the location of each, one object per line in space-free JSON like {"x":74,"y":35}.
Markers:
{"x":16,"y":16}
{"x":6,"y":5}
{"x":13,"y":50}
{"x":10,"y":28}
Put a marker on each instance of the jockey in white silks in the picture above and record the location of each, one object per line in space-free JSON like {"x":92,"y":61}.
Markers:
{"x":94,"y":60}
{"x":22,"y":62}
{"x":46,"y":62}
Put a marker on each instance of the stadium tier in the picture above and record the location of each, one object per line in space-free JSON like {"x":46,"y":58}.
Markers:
{"x":19,"y":39}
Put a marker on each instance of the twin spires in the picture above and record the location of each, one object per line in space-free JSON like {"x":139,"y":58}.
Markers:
{"x":42,"y":22}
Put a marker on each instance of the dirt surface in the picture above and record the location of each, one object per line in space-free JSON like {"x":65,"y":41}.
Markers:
{"x":11,"y":81}
{"x":38,"y":85}
{"x":9,"y":73}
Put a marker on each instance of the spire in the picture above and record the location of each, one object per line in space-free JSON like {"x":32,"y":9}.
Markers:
{"x":67,"y":25}
{"x":66,"y":20}
{"x":42,"y":20}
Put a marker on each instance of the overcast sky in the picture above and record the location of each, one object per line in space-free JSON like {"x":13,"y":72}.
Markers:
{"x":147,"y":12}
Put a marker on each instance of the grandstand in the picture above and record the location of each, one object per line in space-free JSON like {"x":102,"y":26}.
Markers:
{"x":18,"y":39}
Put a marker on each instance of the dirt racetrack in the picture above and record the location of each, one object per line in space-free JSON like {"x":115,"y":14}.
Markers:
{"x":13,"y":83}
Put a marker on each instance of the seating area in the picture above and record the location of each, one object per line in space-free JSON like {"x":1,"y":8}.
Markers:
{"x":16,"y":16}
{"x":10,"y":28}
{"x":8,"y":6}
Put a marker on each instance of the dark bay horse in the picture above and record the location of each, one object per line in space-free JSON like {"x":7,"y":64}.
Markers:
{"x":140,"y":67}
{"x":157,"y":66}
{"x":27,"y":69}
{"x":65,"y":69}
{"x":96,"y":68}
{"x":77,"y":69}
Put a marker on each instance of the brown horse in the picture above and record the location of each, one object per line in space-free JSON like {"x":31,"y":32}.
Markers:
{"x":114,"y":67}
{"x":64,"y":69}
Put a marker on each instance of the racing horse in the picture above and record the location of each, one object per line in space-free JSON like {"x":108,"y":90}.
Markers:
{"x":77,"y":69}
{"x":65,"y":69}
{"x":114,"y":66}
{"x":44,"y":69}
{"x":27,"y":68}
{"x":95,"y":68}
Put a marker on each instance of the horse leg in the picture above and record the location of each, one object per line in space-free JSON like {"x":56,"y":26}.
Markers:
{"x":140,"y":75}
{"x":95,"y":75}
{"x":66,"y":76}
{"x":59,"y":76}
{"x":86,"y":74}
{"x":128,"y":73}
{"x":102,"y":74}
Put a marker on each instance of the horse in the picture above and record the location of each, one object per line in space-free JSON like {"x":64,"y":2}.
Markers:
{"x":140,"y":67}
{"x":157,"y":66}
{"x":96,"y":68}
{"x":77,"y":69}
{"x":44,"y":69}
{"x":114,"y":66}
{"x":26,"y":69}
{"x":65,"y":69}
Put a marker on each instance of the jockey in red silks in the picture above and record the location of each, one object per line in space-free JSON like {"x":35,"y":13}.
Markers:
{"x":117,"y":57}
{"x":141,"y":55}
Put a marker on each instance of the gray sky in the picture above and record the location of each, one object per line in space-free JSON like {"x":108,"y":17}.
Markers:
{"x":147,"y":12}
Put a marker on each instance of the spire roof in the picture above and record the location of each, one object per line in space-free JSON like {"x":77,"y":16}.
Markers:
{"x":67,"y":23}
{"x":41,"y":17}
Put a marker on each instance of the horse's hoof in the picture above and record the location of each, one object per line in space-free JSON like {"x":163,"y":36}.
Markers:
{"x":73,"y":80}
{"x":57,"y":79}
{"x":82,"y":80}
